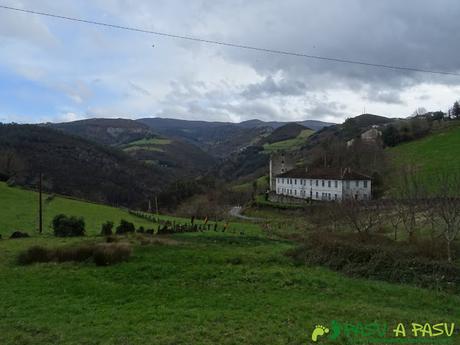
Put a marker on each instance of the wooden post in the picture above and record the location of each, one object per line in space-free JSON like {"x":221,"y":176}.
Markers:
{"x":156,"y":207}
{"x":40,"y":205}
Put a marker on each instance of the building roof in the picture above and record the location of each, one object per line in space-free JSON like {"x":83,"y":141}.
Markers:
{"x":325,"y":173}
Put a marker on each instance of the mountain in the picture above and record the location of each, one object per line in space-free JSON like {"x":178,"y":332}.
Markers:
{"x":313,"y":124}
{"x":143,"y":143}
{"x":286,"y":132}
{"x":106,"y":131}
{"x":219,"y":139}
{"x":75,"y":166}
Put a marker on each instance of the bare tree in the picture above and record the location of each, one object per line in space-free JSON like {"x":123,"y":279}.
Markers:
{"x":394,"y":218}
{"x":409,"y":193}
{"x":362,"y":217}
{"x":448,"y":208}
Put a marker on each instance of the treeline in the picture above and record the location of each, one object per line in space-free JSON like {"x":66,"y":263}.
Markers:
{"x":421,"y":124}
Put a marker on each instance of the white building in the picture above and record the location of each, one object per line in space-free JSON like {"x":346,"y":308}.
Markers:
{"x":324,"y":184}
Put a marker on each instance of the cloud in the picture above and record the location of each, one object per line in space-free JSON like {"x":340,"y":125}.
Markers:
{"x":271,"y":87}
{"x":94,"y":71}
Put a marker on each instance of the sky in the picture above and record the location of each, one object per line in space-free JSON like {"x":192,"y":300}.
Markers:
{"x":54,"y":71}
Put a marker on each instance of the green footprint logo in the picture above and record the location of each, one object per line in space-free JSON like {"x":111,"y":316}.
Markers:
{"x":319,"y":331}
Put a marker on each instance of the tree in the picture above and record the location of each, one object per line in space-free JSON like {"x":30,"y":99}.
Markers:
{"x":362,"y":217}
{"x":409,"y":192}
{"x":448,"y":208}
{"x":455,"y":113}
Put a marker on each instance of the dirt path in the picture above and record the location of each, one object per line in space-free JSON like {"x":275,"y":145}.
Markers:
{"x":236,"y":212}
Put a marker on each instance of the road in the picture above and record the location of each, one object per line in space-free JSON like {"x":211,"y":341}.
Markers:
{"x":236,"y":212}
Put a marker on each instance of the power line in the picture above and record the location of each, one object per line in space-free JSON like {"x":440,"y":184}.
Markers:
{"x":233,"y":45}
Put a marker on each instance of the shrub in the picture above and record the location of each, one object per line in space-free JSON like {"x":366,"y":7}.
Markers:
{"x":103,"y":254}
{"x":141,"y":230}
{"x":65,"y":226}
{"x":125,"y":227}
{"x":106,"y":229}
{"x":79,"y":253}
{"x":108,"y":254}
{"x":19,"y":234}
{"x":35,"y":254}
{"x":376,"y":257}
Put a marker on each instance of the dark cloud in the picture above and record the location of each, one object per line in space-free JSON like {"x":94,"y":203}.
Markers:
{"x":270,"y":87}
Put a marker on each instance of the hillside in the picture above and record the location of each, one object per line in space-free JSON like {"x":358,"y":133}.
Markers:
{"x":141,"y":142}
{"x":110,"y":132}
{"x":313,"y":124}
{"x":218,"y":139}
{"x":20,"y":209}
{"x":436,"y":154}
{"x":75,"y":166}
{"x":230,"y":278}
{"x":289,"y":131}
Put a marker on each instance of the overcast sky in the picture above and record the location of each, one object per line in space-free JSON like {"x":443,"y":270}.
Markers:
{"x":54,"y":70}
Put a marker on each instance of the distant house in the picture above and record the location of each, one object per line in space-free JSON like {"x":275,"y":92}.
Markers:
{"x":324,"y":184}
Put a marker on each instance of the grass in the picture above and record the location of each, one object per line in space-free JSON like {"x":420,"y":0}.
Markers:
{"x":205,"y":289}
{"x":19,"y":211}
{"x":290,"y":144}
{"x":201,"y":288}
{"x":144,"y":148}
{"x":437,"y":153}
{"x":151,"y":141}
{"x":262,"y":185}
{"x":147,"y":144}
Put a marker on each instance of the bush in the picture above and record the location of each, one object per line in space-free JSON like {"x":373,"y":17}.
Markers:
{"x":125,"y":227}
{"x":77,"y":254}
{"x":377,"y":257}
{"x":65,"y":226}
{"x":108,"y":254}
{"x":19,"y":234}
{"x":102,"y":254}
{"x":35,"y":254}
{"x":106,"y":229}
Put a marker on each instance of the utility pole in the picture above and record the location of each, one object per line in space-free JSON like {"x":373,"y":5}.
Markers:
{"x":40,"y":205}
{"x":156,"y":206}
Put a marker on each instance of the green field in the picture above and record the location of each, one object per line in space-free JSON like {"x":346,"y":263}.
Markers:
{"x":437,"y":153}
{"x":152,"y":144}
{"x":290,"y":144}
{"x":19,"y":211}
{"x":202,"y":288}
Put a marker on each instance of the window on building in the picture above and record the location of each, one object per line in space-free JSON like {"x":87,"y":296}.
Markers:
{"x":322,"y":183}
{"x":317,"y":195}
{"x":336,"y":184}
{"x":317,"y":183}
{"x":329,"y":184}
{"x":311,"y":182}
{"x":357,"y":183}
{"x":335,"y":196}
{"x":365,"y":184}
{"x":295,"y":181}
{"x":329,"y":196}
{"x":295,"y":191}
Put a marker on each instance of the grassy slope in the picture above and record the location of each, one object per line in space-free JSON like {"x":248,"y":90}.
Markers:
{"x":210,"y":288}
{"x":290,"y":144}
{"x":18,"y":211}
{"x":439,"y":152}
{"x":192,"y":294}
